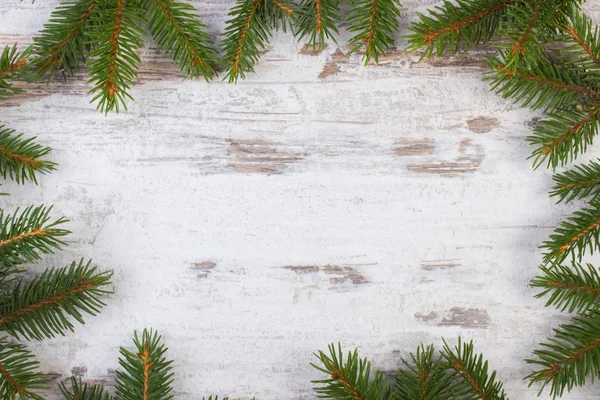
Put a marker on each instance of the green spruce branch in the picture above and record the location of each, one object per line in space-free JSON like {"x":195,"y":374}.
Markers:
{"x":476,"y":380}
{"x":563,"y":137}
{"x":83,"y":391}
{"x":65,"y":40}
{"x":20,"y":158}
{"x":41,"y":308}
{"x":317,"y":21}
{"x":425,"y":376}
{"x":575,"y":289}
{"x":179,"y":32}
{"x":350,"y":378}
{"x":25,"y":235}
{"x":570,"y":358}
{"x":13,"y":67}
{"x":146,"y":372}
{"x":109,"y":34}
{"x":457,"y":373}
{"x":538,"y":83}
{"x":575,"y":236}
{"x":581,"y":44}
{"x":577,"y":183}
{"x":19,"y":379}
{"x":115,"y":61}
{"x":456,"y":24}
{"x":374,"y":24}
{"x":246,"y":34}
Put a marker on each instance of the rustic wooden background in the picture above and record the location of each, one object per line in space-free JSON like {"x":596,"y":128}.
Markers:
{"x":317,"y":201}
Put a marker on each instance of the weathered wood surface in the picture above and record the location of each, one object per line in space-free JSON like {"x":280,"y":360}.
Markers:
{"x":317,"y":201}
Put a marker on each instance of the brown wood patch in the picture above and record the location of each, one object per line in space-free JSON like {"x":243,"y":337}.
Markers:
{"x":426,"y":317}
{"x":312,"y":50}
{"x":203,"y":268}
{"x":413,"y":147}
{"x":469,"y":160}
{"x":256,"y":156}
{"x":439,"y":264}
{"x":465,"y":317}
{"x":338,"y":273}
{"x":482,"y":124}
{"x":329,"y":69}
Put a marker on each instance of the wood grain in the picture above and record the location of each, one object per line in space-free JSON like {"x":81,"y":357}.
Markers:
{"x":318,"y":201}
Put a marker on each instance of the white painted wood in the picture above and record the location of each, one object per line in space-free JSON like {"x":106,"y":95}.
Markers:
{"x":316,"y":201}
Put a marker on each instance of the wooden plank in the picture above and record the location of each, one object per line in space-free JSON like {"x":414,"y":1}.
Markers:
{"x":317,"y":201}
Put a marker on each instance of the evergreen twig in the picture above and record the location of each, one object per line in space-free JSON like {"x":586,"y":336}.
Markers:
{"x":65,"y":40}
{"x":574,"y":236}
{"x":40,"y":308}
{"x":374,"y":23}
{"x":27,"y":234}
{"x":13,"y":67}
{"x":424,"y":377}
{"x":350,"y":378}
{"x":317,"y":20}
{"x":115,"y":60}
{"x":571,"y":357}
{"x":538,"y":83}
{"x":21,"y":159}
{"x":581,"y":181}
{"x":575,"y":289}
{"x":564,"y":136}
{"x":18,"y":377}
{"x":179,"y":32}
{"x":473,"y":370}
{"x":83,"y":391}
{"x":146,"y":372}
{"x":245,"y":35}
{"x":454,"y":24}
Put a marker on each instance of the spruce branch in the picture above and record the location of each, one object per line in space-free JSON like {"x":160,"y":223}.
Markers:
{"x":40,"y":308}
{"x":21,"y":159}
{"x":471,"y":368}
{"x":115,"y":61}
{"x":350,"y":379}
{"x":278,"y":14}
{"x":575,"y":289}
{"x":374,"y":23}
{"x":424,"y":377}
{"x":530,"y":24}
{"x":83,"y":391}
{"x":178,"y":31}
{"x":570,"y":357}
{"x":146,"y":372}
{"x":284,"y":7}
{"x":245,"y":34}
{"x":564,"y":136}
{"x":27,"y":234}
{"x":317,"y":20}
{"x":18,"y":376}
{"x":450,"y":25}
{"x":573,"y":236}
{"x":581,"y":181}
{"x":64,"y":41}
{"x":538,"y":83}
{"x":582,"y":43}
{"x":522,"y":32}
{"x":13,"y":67}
